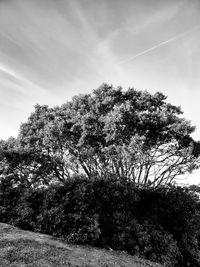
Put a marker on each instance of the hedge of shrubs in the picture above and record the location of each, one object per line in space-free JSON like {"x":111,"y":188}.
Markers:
{"x":161,"y":225}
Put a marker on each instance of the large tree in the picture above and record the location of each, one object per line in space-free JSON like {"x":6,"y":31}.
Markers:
{"x":130,"y":134}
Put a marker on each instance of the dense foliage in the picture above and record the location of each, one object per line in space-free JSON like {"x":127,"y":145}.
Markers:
{"x":99,"y":170}
{"x":131,"y":134}
{"x":160,"y":225}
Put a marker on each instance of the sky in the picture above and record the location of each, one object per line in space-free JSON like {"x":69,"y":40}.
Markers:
{"x":51,"y":50}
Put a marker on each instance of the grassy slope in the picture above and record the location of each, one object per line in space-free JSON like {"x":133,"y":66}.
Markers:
{"x":24,"y":248}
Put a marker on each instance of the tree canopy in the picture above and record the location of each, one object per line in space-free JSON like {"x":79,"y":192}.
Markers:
{"x":128,"y":134}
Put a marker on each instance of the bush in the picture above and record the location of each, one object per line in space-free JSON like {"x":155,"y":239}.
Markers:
{"x":176,"y":210}
{"x":9,"y":196}
{"x":86,"y":230}
{"x":160,"y":225}
{"x":27,"y":209}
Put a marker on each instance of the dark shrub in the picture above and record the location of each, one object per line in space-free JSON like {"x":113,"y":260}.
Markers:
{"x":9,"y":196}
{"x":28,"y":207}
{"x":160,"y":225}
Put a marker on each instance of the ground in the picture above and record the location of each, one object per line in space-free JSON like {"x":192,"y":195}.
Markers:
{"x":20,"y":248}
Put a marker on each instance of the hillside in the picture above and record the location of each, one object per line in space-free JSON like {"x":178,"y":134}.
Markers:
{"x":23,"y":248}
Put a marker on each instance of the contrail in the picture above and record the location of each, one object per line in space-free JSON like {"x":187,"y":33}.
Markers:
{"x":158,"y":45}
{"x":8,"y":71}
{"x":19,"y":79}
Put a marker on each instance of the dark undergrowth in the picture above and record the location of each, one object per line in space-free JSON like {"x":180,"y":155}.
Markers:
{"x":159,"y":225}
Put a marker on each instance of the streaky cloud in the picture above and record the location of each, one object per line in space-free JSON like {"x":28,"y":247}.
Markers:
{"x":177,"y":37}
{"x":17,"y":78}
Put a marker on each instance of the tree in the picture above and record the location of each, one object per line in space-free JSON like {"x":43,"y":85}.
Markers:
{"x":130,"y":134}
{"x":22,"y":166}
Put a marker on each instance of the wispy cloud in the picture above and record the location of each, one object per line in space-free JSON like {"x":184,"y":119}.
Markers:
{"x":51,"y":50}
{"x":17,"y":79}
{"x":146,"y":51}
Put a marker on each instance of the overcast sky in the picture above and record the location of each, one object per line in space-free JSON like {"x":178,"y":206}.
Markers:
{"x":51,"y":50}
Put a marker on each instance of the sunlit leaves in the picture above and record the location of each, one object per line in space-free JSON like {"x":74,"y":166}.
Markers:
{"x":131,"y":134}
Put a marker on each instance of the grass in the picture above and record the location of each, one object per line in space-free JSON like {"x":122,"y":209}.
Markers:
{"x":20,"y":248}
